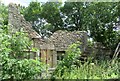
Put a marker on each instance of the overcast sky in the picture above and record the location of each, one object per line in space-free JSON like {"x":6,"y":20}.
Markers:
{"x":24,"y":2}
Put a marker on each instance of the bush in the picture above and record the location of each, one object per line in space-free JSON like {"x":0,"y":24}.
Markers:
{"x":68,"y":61}
{"x":11,"y":51}
{"x":21,"y":69}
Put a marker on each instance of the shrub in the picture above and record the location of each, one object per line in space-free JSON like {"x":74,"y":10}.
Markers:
{"x":12,"y":67}
{"x":94,"y":71}
{"x":21,"y":69}
{"x":68,"y":61}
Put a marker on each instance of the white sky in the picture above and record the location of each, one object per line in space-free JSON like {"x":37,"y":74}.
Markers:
{"x":24,"y":2}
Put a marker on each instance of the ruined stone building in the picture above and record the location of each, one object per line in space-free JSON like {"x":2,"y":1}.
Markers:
{"x":51,"y":49}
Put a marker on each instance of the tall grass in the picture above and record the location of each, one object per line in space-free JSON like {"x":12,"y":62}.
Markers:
{"x":93,"y":71}
{"x":103,"y":70}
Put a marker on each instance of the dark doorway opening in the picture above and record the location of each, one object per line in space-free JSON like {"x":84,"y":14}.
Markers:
{"x":60,"y":55}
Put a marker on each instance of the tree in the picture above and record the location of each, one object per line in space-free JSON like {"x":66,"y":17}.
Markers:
{"x":51,"y":13}
{"x":102,"y":18}
{"x":97,"y":18}
{"x":32,"y":12}
{"x":45,"y":18}
{"x":74,"y":15}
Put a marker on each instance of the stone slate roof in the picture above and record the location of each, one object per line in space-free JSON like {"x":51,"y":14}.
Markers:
{"x":17,"y":21}
{"x":62,"y":39}
{"x":59,"y":41}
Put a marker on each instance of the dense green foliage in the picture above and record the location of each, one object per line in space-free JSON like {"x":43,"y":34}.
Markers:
{"x":99,"y":19}
{"x":14,"y":62}
{"x":32,"y":12}
{"x":68,"y":61}
{"x":54,"y":17}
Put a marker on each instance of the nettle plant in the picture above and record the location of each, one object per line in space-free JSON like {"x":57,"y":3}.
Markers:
{"x":11,"y":52}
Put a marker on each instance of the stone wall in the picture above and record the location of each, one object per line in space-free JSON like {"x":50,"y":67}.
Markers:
{"x":98,"y":51}
{"x":102,"y":52}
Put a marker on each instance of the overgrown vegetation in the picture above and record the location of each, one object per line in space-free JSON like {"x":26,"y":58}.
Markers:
{"x":98,"y":19}
{"x":91,"y":69}
{"x":68,"y":61}
{"x":88,"y":70}
{"x":13,"y":61}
